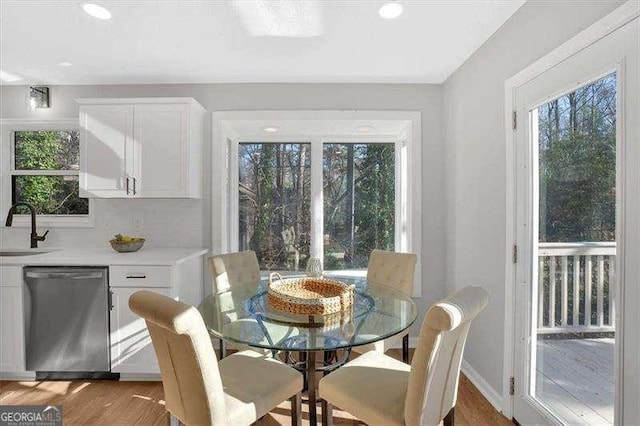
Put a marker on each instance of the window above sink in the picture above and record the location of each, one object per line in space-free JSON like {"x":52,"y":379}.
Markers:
{"x":40,"y":167}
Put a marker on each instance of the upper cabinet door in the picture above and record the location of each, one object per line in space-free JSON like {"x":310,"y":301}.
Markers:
{"x":161,"y":150}
{"x":106,"y":150}
{"x":141,"y":148}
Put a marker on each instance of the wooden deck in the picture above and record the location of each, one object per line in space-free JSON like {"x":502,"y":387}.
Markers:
{"x":575,"y":379}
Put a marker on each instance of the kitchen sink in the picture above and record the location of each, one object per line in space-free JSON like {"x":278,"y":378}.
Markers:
{"x":24,"y":251}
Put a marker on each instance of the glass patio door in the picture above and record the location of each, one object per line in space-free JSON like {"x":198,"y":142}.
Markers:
{"x":572,"y":193}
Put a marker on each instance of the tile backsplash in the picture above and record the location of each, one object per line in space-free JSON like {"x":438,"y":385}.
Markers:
{"x":164,"y":223}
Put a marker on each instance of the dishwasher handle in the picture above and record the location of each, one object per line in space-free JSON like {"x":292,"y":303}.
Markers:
{"x":66,"y":275}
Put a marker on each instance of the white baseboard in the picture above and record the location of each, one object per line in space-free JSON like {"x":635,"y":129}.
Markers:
{"x":492,"y":395}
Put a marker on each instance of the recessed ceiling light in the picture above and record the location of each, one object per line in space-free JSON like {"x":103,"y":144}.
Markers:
{"x":8,"y":77}
{"x":391,"y":10}
{"x":96,"y":11}
{"x":271,"y":129}
{"x":65,"y":64}
{"x":364,"y":129}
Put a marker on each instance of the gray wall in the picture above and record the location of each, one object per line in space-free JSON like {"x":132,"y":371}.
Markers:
{"x":476,"y":160}
{"x":187,"y":223}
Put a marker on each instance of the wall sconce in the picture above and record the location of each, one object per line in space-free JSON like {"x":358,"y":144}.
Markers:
{"x":38,"y":97}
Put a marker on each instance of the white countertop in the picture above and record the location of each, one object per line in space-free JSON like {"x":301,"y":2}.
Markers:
{"x":104,"y":257}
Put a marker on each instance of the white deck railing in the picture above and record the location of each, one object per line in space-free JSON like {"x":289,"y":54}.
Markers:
{"x":574,"y":294}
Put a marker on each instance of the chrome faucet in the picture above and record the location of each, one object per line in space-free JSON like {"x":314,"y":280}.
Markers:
{"x":34,"y":234}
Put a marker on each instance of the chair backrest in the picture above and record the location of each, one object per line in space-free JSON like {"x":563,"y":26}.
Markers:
{"x":435,"y":367}
{"x":192,"y":384}
{"x":233,"y":268}
{"x":392,"y":269}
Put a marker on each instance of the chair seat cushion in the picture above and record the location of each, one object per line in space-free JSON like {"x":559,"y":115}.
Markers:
{"x":254,"y":384}
{"x":372,"y":387}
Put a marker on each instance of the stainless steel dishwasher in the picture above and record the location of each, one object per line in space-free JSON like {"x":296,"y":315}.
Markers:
{"x":67,"y":322}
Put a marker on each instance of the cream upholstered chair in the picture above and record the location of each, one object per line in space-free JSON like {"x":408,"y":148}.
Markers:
{"x":233,"y":269}
{"x":381,"y":390}
{"x":198,"y":389}
{"x":394,"y":270}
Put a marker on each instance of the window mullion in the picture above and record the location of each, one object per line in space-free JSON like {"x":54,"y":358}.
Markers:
{"x":233,"y":195}
{"x":317,"y":206}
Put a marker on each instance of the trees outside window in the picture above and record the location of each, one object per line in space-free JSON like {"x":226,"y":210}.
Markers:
{"x":274,"y":203}
{"x":44,"y":172}
{"x":577,"y":161}
{"x":359,"y":202}
{"x":577,"y":189}
{"x":275,"y":197}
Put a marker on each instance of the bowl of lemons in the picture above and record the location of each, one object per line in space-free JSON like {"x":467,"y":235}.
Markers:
{"x":126,"y":244}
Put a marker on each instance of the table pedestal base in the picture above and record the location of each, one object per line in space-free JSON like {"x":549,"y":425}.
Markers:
{"x":307,"y":365}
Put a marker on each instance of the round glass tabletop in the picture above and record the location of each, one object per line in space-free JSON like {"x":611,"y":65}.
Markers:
{"x":243,"y":315}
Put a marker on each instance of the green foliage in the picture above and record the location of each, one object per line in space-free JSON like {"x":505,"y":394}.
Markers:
{"x":578,"y":164}
{"x":274,"y":196}
{"x":359,"y":202}
{"x":577,"y":172}
{"x":375,"y":206}
{"x":48,"y":150}
{"x":37,"y":150}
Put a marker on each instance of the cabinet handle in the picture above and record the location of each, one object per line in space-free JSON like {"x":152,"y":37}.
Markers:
{"x":137,"y":277}
{"x":134,"y":186}
{"x":127,"y":186}
{"x":110,"y":301}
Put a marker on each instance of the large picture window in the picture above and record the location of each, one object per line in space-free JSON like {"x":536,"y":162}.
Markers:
{"x":333,"y":185}
{"x":275,"y":212}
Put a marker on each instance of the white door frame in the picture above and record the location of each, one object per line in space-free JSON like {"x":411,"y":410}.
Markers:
{"x":611,"y":22}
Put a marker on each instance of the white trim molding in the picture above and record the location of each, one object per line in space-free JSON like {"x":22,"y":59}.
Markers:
{"x":489,"y":392}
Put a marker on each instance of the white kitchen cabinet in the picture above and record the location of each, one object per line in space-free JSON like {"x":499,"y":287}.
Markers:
{"x":151,"y":148}
{"x":131,"y":348}
{"x":174,"y":272}
{"x":132,"y":352}
{"x":12,"y":359}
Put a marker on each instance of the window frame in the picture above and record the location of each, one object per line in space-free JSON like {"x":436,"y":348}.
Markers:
{"x":8,"y":128}
{"x":408,"y":197}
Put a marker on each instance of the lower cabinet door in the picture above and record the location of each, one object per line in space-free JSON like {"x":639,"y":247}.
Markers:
{"x":131,"y":348}
{"x":11,"y":330}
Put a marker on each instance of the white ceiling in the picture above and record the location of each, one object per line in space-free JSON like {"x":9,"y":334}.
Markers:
{"x":189,"y":41}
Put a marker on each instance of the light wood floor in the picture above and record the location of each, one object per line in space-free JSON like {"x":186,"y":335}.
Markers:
{"x":141,"y":403}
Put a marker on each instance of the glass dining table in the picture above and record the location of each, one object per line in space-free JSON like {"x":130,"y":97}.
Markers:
{"x":243,"y":315}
